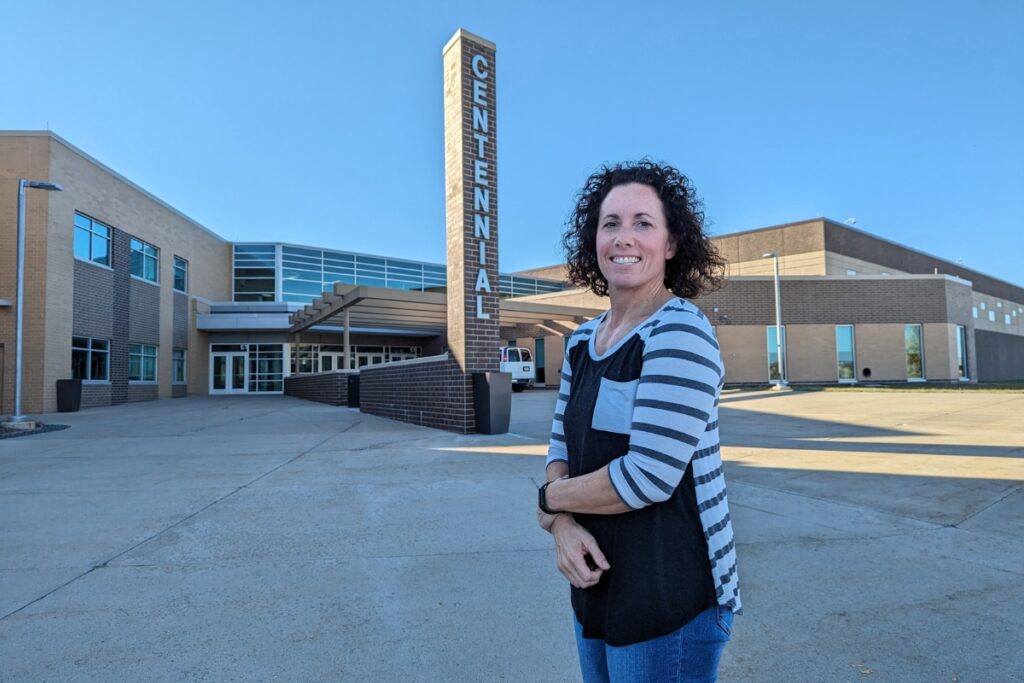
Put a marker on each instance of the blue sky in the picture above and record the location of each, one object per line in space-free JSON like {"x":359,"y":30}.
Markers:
{"x":321,"y":122}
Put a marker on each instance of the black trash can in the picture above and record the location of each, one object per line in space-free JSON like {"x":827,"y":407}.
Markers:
{"x":69,"y":395}
{"x":353,"y":390}
{"x":492,"y":401}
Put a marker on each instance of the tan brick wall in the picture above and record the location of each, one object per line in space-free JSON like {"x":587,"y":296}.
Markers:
{"x":839,"y":264}
{"x":811,"y":352}
{"x":27,"y":157}
{"x":793,"y":239}
{"x":940,"y":361}
{"x":807,"y":263}
{"x":94,"y":190}
{"x":744,"y":352}
{"x":556,"y":272}
{"x":881,"y":348}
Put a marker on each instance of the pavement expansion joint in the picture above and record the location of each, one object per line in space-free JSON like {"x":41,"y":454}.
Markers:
{"x":1006,"y":495}
{"x":106,"y":563}
{"x":840,"y":503}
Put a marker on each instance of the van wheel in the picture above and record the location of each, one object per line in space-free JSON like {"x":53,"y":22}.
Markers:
{"x":518,"y":387}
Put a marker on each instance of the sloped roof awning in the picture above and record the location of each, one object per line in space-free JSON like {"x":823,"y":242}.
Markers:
{"x":407,"y":311}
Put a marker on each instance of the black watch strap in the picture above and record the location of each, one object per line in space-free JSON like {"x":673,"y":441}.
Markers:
{"x":542,"y":499}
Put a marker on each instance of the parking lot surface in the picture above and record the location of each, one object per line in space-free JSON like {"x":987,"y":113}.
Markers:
{"x":881,"y":537}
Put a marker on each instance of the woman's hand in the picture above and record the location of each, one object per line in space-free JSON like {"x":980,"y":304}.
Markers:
{"x":573,"y":546}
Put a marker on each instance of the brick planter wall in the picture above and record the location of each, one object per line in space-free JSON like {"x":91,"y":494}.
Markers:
{"x":323,"y":387}
{"x":433,"y":392}
{"x":143,"y":392}
{"x":95,"y":395}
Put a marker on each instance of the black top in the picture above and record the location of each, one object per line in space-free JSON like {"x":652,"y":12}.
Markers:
{"x":660,"y":577}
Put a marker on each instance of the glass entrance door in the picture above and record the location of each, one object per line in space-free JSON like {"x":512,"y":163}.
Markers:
{"x":227,"y":373}
{"x":363,"y":359}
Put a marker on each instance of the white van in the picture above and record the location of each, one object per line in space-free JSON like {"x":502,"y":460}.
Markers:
{"x":519,"y":362}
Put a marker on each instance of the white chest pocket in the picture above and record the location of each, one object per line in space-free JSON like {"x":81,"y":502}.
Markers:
{"x":613,"y":411}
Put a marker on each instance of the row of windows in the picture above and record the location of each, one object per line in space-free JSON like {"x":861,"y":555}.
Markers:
{"x":90,"y":361}
{"x":92,"y":243}
{"x":307,"y":273}
{"x":1007,"y":317}
{"x":846,"y":369}
{"x":327,"y":357}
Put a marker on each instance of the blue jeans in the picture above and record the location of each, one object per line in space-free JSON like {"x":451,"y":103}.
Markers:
{"x":690,"y":654}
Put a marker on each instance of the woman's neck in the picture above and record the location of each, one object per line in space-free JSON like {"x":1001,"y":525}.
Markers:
{"x":630,"y":307}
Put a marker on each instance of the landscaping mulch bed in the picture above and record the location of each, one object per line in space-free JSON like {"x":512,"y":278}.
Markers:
{"x":6,"y":433}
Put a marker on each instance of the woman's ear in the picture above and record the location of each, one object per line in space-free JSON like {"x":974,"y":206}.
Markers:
{"x":670,"y":249}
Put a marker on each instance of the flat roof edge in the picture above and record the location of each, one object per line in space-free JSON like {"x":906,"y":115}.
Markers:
{"x":96,"y":162}
{"x":463,"y":33}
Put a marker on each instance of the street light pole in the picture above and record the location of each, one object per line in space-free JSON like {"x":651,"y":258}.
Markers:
{"x":20,"y":315}
{"x":778,"y":320}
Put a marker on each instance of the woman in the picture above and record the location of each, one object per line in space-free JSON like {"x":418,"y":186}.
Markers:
{"x":635,"y":497}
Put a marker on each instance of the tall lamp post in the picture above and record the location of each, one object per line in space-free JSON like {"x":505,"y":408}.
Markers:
{"x":778,"y":321}
{"x":22,"y":185}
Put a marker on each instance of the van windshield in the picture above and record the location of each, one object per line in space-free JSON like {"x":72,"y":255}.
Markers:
{"x":513,"y":355}
{"x":526,"y":355}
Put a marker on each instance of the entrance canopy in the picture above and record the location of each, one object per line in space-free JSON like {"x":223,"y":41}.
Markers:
{"x":357,"y":306}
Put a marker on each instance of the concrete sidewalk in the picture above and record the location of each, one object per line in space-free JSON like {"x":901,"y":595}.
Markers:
{"x":266,"y":538}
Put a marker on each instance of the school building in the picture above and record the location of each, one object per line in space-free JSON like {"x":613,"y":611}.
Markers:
{"x":140,"y":302}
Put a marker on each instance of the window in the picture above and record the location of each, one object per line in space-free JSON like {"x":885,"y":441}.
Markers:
{"x":178,"y":366}
{"x":180,"y":274}
{"x":255,"y":273}
{"x":845,"y":363}
{"x":974,"y":311}
{"x":1006,"y":318}
{"x":141,"y":363}
{"x":991,"y":316}
{"x":774,"y":372}
{"x":90,"y":359}
{"x":92,"y":240}
{"x":145,"y":261}
{"x":266,"y":368}
{"x":961,"y":352}
{"x":914,"y":347}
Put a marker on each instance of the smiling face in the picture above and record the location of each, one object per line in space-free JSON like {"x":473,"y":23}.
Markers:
{"x":633,"y":241}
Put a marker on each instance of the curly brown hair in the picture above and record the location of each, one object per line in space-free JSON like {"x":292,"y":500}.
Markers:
{"x":696,"y":267}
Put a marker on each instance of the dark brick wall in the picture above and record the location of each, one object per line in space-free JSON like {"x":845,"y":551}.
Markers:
{"x":144,"y":313}
{"x":324,"y":387}
{"x":843,"y":240}
{"x":112,"y":305}
{"x":143,"y":392}
{"x":95,"y":395}
{"x":821,"y":301}
{"x":121,"y":258}
{"x":93,"y":301}
{"x":179,"y":390}
{"x":180,"y":313}
{"x":1000,"y":357}
{"x":432,"y":393}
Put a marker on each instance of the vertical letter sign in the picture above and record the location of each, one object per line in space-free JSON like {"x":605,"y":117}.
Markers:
{"x":471,"y":184}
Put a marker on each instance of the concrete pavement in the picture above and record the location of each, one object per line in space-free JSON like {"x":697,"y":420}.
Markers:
{"x":266,"y":538}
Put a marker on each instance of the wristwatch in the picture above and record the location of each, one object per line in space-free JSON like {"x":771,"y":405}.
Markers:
{"x":542,"y":499}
